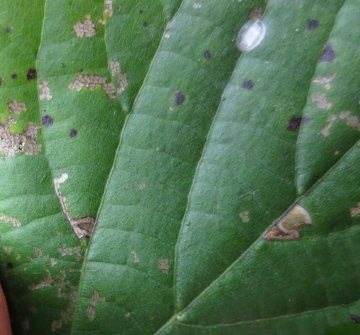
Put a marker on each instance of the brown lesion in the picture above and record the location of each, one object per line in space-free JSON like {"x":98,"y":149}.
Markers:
{"x":287,"y":228}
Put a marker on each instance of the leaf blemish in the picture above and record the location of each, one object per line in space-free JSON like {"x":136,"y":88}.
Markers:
{"x":85,"y":28}
{"x":16,"y":107}
{"x":328,"y":54}
{"x":207,"y":54}
{"x":247,"y":84}
{"x":91,"y":81}
{"x":320,"y":101}
{"x":135,"y":257}
{"x":312,"y":24}
{"x":90,"y":311}
{"x":15,"y":222}
{"x":244,"y":216}
{"x":47,"y":120}
{"x":7,"y":250}
{"x":120,"y":78}
{"x":295,"y":122}
{"x":31,"y":74}
{"x":9,"y":266}
{"x":287,"y":228}
{"x":73,"y":133}
{"x":355,"y":318}
{"x":13,"y":76}
{"x":179,"y":98}
{"x":145,"y":24}
{"x":355,"y":211}
{"x":8,"y":30}
{"x":197,"y":5}
{"x":45,"y":91}
{"x":163,"y":265}
{"x":325,"y":81}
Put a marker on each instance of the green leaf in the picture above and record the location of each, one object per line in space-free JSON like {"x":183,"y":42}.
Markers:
{"x":224,"y":184}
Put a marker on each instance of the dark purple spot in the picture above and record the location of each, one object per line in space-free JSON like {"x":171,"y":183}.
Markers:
{"x":47,"y":120}
{"x":294,"y":123}
{"x":31,"y":74}
{"x":179,"y":98}
{"x":9,"y":266}
{"x":207,"y":54}
{"x":355,"y":318}
{"x":145,"y":24}
{"x":8,"y":30}
{"x":14,"y":76}
{"x":1,"y":81}
{"x":73,"y":133}
{"x":248,"y":84}
{"x":328,"y":54}
{"x":141,"y":11}
{"x":312,"y":24}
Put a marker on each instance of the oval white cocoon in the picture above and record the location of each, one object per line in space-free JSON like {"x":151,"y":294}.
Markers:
{"x":251,"y":34}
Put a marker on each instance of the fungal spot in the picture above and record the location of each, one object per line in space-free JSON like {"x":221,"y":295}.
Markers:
{"x":244,"y":216}
{"x":351,"y":120}
{"x":82,"y":227}
{"x":7,"y":250}
{"x":47,"y":281}
{"x":1,"y":81}
{"x":47,"y":120}
{"x":9,"y":266}
{"x":312,"y":24}
{"x":294,"y":123}
{"x":287,"y":228}
{"x":38,"y":252}
{"x":13,"y":143}
{"x":179,"y":98}
{"x":355,"y":318}
{"x":163,"y":265}
{"x":90,"y":311}
{"x":69,"y":251}
{"x":8,"y":30}
{"x":255,"y":13}
{"x":251,"y":34}
{"x":53,"y":262}
{"x":207,"y":54}
{"x":141,"y":11}
{"x":145,"y":24}
{"x":73,"y":133}
{"x":90,"y":81}
{"x":355,"y":211}
{"x":17,"y":257}
{"x":326,"y":131}
{"x":142,"y":186}
{"x":328,"y":54}
{"x":85,"y":28}
{"x":248,"y":84}
{"x":127,"y":315}
{"x":31,"y":74}
{"x":135,"y":257}
{"x":13,"y":76}
{"x":45,"y":91}
{"x":197,"y":5}
{"x":320,"y":101}
{"x":120,"y":78}
{"x":16,"y":107}
{"x":15,"y":222}
{"x":325,"y":82}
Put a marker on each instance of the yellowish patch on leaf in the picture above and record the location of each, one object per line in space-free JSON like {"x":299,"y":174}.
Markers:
{"x":90,"y":311}
{"x":287,"y":228}
{"x":320,"y":101}
{"x":85,"y":28}
{"x":325,"y":81}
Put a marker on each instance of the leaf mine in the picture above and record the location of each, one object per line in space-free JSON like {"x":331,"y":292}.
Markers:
{"x":287,"y":228}
{"x":90,"y":311}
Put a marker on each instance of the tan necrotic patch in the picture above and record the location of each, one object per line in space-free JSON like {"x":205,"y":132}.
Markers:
{"x":85,"y":28}
{"x":16,"y":107}
{"x":351,"y":120}
{"x":90,"y":311}
{"x":244,"y":216}
{"x":197,"y":5}
{"x":120,"y":78}
{"x":15,"y":222}
{"x":45,"y":91}
{"x":163,"y":265}
{"x":325,"y":81}
{"x":320,"y":101}
{"x":355,"y":211}
{"x":69,"y":251}
{"x":91,"y":81}
{"x":82,"y":227}
{"x":287,"y":228}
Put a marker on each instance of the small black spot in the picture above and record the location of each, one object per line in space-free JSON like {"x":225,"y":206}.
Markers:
{"x":248,"y":84}
{"x":81,"y":70}
{"x":328,"y":54}
{"x":355,"y":318}
{"x":141,"y":11}
{"x":207,"y":54}
{"x":73,"y":133}
{"x":9,"y":266}
{"x":47,"y":120}
{"x":179,"y":98}
{"x":312,"y":24}
{"x":31,"y":74}
{"x":294,"y":123}
{"x":14,"y":76}
{"x":145,"y":24}
{"x":1,"y":81}
{"x":8,"y":30}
